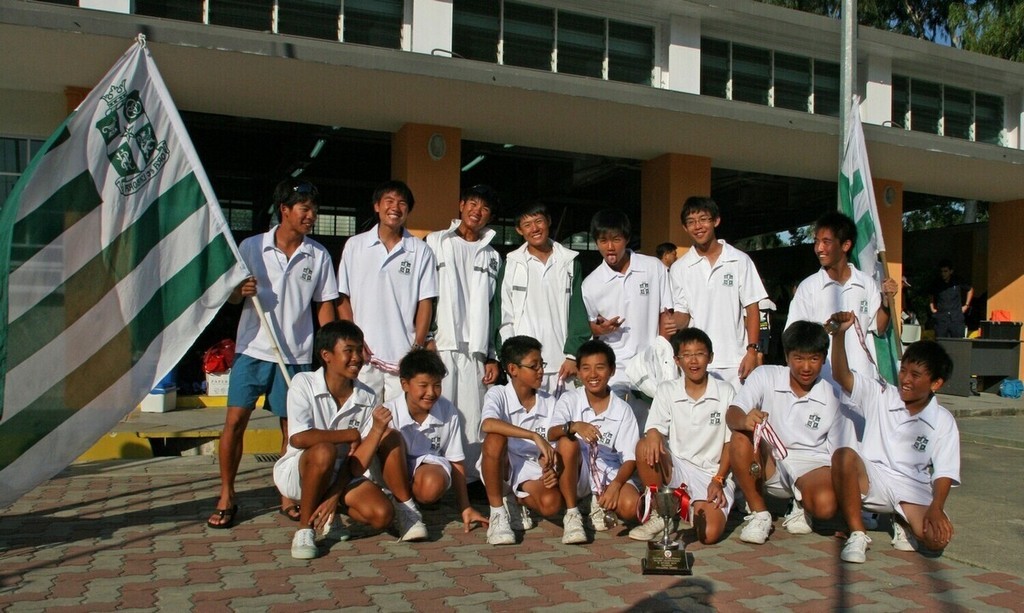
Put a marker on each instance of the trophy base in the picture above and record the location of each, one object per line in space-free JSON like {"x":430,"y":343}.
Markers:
{"x":661,"y":561}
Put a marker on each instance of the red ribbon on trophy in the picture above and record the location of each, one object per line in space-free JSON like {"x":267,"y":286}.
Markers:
{"x":765,"y":431}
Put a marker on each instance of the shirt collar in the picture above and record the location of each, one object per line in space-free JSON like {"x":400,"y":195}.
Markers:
{"x":402,"y":408}
{"x":375,"y":235}
{"x":362,"y":396}
{"x":929,"y":415}
{"x":819,"y":391}
{"x":854,"y":280}
{"x":270,"y":243}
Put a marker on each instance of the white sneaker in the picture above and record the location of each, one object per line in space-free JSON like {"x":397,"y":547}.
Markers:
{"x":901,"y":539}
{"x":519,"y":514}
{"x":304,"y":544}
{"x":797,"y":521}
{"x":759,"y":526}
{"x":334,"y":529}
{"x":499,"y":532}
{"x":650,"y":530}
{"x":856,"y":545}
{"x":410,"y":524}
{"x":573,"y":532}
{"x":597,"y":521}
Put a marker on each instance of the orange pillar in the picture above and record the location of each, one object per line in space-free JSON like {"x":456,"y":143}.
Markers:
{"x":1006,"y":261}
{"x":889,"y":198}
{"x":429,"y":160}
{"x":666,"y":182}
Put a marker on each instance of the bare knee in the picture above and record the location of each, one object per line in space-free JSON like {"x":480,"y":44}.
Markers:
{"x":494,"y":446}
{"x":429,"y":483}
{"x":548,"y":502}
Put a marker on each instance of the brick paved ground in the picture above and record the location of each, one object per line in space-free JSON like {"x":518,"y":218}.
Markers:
{"x":131,"y":536}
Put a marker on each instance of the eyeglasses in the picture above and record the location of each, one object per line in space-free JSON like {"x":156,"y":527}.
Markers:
{"x":305,"y":188}
{"x":703,"y":220}
{"x":700,"y":355}
{"x":535,"y":367}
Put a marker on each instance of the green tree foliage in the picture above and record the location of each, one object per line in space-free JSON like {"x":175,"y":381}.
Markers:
{"x":992,"y":27}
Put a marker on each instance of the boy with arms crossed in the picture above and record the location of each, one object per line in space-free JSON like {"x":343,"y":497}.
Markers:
{"x":539,"y":295}
{"x":293,"y":275}
{"x":801,"y":422}
{"x":596,"y":416}
{"x":516,"y":453}
{"x":432,"y":432}
{"x":327,"y":409}
{"x":716,"y":288}
{"x":388,"y":280}
{"x":909,"y":457}
{"x":628,"y":298}
{"x":689,"y":414}
{"x":467,"y":267}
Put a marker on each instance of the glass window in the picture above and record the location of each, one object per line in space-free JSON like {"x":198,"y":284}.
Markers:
{"x":751,"y":74}
{"x":988,"y":119}
{"x":580,"y":45}
{"x":792,"y":82}
{"x":476,"y":27}
{"x":957,"y":111}
{"x":630,"y":53}
{"x":714,"y":67}
{"x":925,"y":106}
{"x":12,"y":155}
{"x":333,"y":224}
{"x":238,"y":213}
{"x":374,"y":22}
{"x":248,"y":14}
{"x":826,"y":88}
{"x":529,"y":36}
{"x":190,"y":10}
{"x":313,"y":18}
{"x":901,"y":101}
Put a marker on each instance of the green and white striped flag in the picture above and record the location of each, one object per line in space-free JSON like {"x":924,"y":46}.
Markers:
{"x":857,"y":200}
{"x":114,"y":256}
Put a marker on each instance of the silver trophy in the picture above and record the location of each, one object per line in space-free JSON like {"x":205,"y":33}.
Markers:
{"x":667,"y":556}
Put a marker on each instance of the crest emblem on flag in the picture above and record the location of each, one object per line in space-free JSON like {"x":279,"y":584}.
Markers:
{"x":132,"y":145}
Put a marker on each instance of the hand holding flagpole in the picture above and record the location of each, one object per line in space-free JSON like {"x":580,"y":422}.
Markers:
{"x":275,"y":344}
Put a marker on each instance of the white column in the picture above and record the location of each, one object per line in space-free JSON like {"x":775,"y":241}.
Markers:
{"x":877,"y":105}
{"x":431,"y":25}
{"x":111,"y":6}
{"x":683,"y":68}
{"x":1013,"y":120}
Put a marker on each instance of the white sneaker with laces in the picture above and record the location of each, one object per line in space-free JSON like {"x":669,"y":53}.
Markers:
{"x":519,"y":514}
{"x":650,"y":530}
{"x":856,"y":545}
{"x":573,"y":532}
{"x":759,"y":526}
{"x":499,"y":532}
{"x":335,"y":529}
{"x":797,"y":520}
{"x":901,"y":539}
{"x":597,"y":518}
{"x":410,"y":524}
{"x":304,"y":544}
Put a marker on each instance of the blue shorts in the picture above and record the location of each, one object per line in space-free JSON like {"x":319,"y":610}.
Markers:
{"x":251,"y":378}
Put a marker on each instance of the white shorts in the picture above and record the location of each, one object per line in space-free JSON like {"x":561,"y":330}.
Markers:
{"x":430,"y":458}
{"x":385,"y":385}
{"x":608,"y":471}
{"x":697,"y":481}
{"x":551,"y":384}
{"x":520,"y":470}
{"x":287,"y":477}
{"x":782,"y":484}
{"x":886,"y":490}
{"x":729,"y":374}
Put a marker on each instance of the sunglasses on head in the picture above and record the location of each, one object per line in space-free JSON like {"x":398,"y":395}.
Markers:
{"x":305,"y":188}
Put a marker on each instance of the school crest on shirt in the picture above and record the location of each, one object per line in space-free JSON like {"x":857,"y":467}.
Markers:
{"x":606,"y":438}
{"x":355,"y":423}
{"x":814,"y":421}
{"x":921,"y":443}
{"x":863,"y":307}
{"x":307,"y":274}
{"x":728,"y":280}
{"x":435,"y":443}
{"x":645,"y":288}
{"x":541,"y":430}
{"x":715,"y":419}
{"x":405,"y":267}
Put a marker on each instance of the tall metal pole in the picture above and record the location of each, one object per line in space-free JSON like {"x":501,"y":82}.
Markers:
{"x":848,"y":60}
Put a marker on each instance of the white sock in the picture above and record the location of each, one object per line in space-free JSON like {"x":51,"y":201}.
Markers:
{"x":572,"y":510}
{"x":497,"y":510}
{"x":409,"y":504}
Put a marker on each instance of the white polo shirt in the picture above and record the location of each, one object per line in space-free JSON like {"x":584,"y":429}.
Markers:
{"x":695,"y":429}
{"x":545,"y":316}
{"x":818,"y":297}
{"x":312,"y":407}
{"x":715,"y":297}
{"x":288,"y":287}
{"x":808,"y":425}
{"x":639,"y":296}
{"x":440,"y":433}
{"x":922,"y":447}
{"x":385,"y":289}
{"x":619,"y":430}
{"x":502,"y":403}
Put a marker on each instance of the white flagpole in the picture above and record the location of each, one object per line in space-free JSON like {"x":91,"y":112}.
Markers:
{"x":848,"y":62}
{"x":275,"y":344}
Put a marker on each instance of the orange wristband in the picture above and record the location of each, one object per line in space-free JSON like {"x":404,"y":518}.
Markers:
{"x":720,"y":480}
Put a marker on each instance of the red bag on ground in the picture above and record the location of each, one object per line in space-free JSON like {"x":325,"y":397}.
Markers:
{"x":219,"y":358}
{"x":1000,"y":315}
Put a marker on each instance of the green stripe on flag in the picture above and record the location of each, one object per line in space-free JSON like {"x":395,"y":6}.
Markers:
{"x":73,"y":298}
{"x":72,"y":201}
{"x":105,"y":367}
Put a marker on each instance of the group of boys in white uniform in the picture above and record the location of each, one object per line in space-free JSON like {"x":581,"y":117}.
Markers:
{"x":533,"y":445}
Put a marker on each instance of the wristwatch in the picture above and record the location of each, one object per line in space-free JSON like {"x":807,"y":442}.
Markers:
{"x":752,"y":346}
